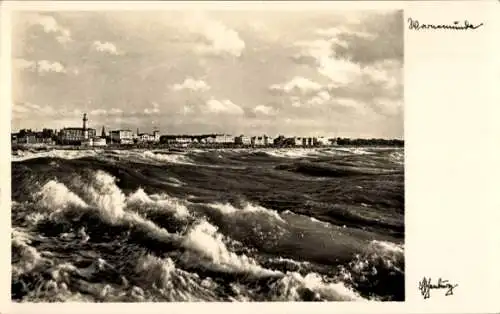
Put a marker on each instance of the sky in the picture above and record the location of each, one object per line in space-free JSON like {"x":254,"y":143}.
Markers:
{"x":297,"y":73}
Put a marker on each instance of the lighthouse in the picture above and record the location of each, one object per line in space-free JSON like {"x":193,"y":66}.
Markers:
{"x":85,"y":131}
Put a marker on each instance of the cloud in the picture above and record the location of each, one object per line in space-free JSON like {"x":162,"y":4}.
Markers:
{"x":191,"y":84}
{"x":321,"y":98}
{"x":224,"y":106}
{"x":297,"y":83}
{"x":155,"y":109}
{"x":24,"y":64}
{"x":348,"y":102}
{"x":185,"y":110}
{"x":336,"y":32}
{"x":218,"y":37}
{"x":388,"y":106}
{"x":104,"y":112}
{"x":21,"y":108}
{"x":106,"y":47}
{"x":48,"y":66}
{"x":295,"y":101}
{"x":42,"y":66}
{"x":265,"y":110}
{"x":315,"y":48}
{"x":50,"y":25}
{"x":339,"y":71}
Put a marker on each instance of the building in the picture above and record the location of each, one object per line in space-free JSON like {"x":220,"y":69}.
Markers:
{"x":258,"y":141}
{"x":268,"y":140}
{"x":148,"y":138}
{"x":322,"y":141}
{"x":99,"y":141}
{"x":122,"y":137}
{"x":242,"y":140}
{"x":223,"y":139}
{"x":145,"y":138}
{"x":72,"y":136}
{"x":299,"y":141}
{"x":31,"y":138}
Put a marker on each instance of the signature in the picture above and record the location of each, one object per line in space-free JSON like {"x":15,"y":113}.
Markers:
{"x":426,"y":285}
{"x":456,"y":25}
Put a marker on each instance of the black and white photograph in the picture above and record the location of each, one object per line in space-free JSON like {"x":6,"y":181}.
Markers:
{"x":207,"y":155}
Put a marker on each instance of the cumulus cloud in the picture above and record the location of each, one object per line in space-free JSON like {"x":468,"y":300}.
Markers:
{"x":191,"y":84}
{"x":348,"y":102}
{"x":336,"y":32}
{"x":50,"y":25}
{"x":48,"y":66}
{"x":297,"y":83}
{"x":223,"y":106}
{"x":106,"y":47}
{"x":319,"y":99}
{"x":21,"y":108}
{"x":185,"y":110}
{"x":388,"y":106}
{"x":104,"y":112}
{"x":42,"y":66}
{"x":265,"y":110}
{"x":153,"y":110}
{"x":342,"y":71}
{"x":24,"y":64}
{"x":339,"y":71}
{"x":219,"y":39}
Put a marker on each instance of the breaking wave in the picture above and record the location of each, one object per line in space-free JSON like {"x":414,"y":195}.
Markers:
{"x":95,"y":228}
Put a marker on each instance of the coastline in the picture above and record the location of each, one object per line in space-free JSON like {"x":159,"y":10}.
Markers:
{"x":39,"y":147}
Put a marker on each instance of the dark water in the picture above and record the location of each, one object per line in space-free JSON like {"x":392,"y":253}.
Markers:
{"x":218,"y":225}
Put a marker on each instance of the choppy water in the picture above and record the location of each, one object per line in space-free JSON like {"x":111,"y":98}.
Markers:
{"x":217,"y":225}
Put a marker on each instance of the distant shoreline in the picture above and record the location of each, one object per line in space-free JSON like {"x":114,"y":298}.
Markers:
{"x":41,"y":147}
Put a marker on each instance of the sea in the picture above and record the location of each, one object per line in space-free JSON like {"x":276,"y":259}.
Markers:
{"x":145,"y":225}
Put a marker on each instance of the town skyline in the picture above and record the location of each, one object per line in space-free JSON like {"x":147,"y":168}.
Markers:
{"x":336,"y":75}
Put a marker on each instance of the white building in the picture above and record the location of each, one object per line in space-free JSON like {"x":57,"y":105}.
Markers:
{"x":299,"y":141}
{"x":183,"y":140}
{"x":96,"y":141}
{"x":145,"y":138}
{"x":122,"y":136}
{"x":321,"y":140}
{"x":268,"y":140}
{"x":223,"y":139}
{"x":243,"y":140}
{"x":258,"y":141}
{"x":99,"y":141}
{"x":148,"y":138}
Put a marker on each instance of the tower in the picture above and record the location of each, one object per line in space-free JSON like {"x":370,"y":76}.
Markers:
{"x":103,"y":132}
{"x":85,"y":131}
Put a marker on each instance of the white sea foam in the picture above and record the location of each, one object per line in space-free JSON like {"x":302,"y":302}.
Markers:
{"x":204,"y":240}
{"x":173,"y":283}
{"x":387,"y":246}
{"x":56,"y":153}
{"x":169,"y":158}
{"x":290,"y":287}
{"x":55,"y":196}
{"x":29,"y":258}
{"x":291,"y":153}
{"x":158,"y":202}
{"x":108,"y":200}
{"x":397,"y":157}
{"x":107,"y":197}
{"x":355,"y":150}
{"x":229,"y":209}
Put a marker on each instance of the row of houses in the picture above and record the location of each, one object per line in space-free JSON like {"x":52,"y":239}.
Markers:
{"x":88,"y":137}
{"x":83,"y":136}
{"x":243,"y":140}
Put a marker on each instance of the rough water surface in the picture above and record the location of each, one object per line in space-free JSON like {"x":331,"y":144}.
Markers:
{"x":208,"y":225}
